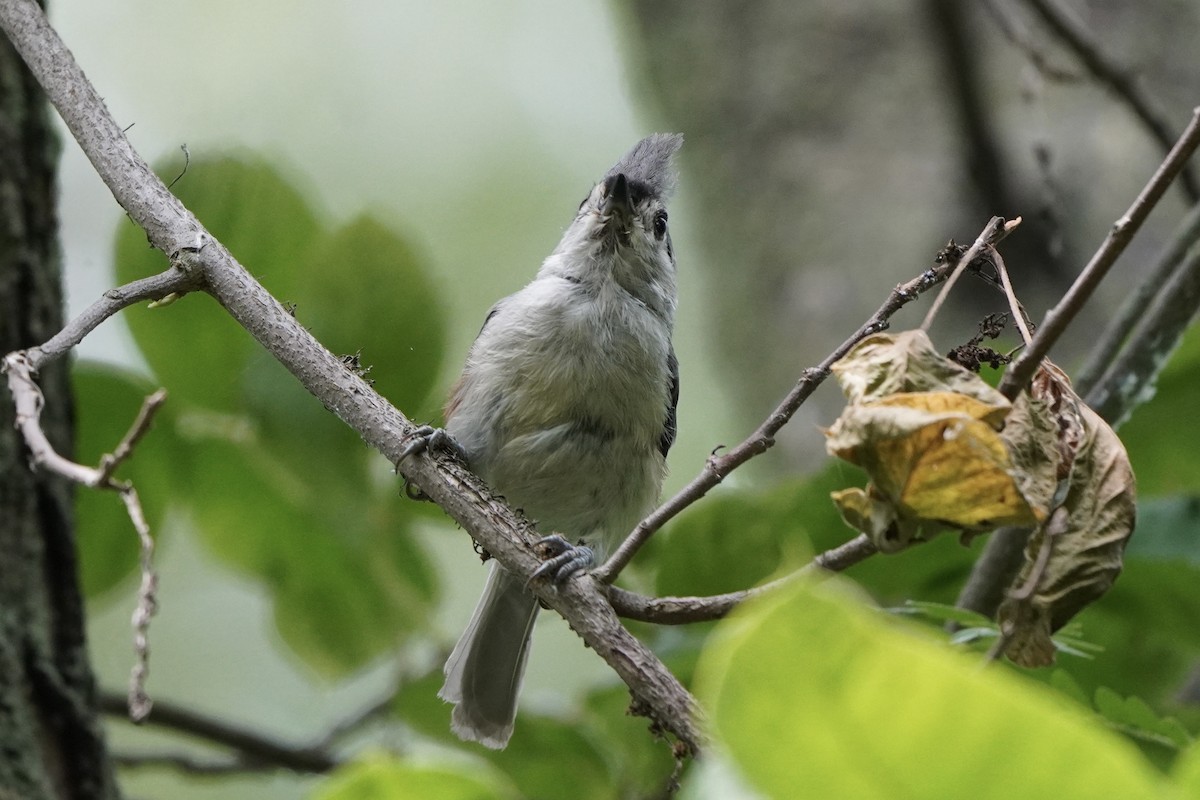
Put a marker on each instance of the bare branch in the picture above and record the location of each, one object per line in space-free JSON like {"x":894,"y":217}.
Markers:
{"x":1020,"y":318}
{"x":1072,"y":30}
{"x":1002,"y":556}
{"x":172,"y":281}
{"x":28,"y":400}
{"x":1059,"y":317}
{"x":1128,"y":379}
{"x":252,"y":746}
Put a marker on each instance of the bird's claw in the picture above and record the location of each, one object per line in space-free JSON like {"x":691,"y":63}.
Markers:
{"x":427,"y":438}
{"x":562,"y":559}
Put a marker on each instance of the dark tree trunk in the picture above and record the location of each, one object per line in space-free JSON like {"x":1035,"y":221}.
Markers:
{"x":51,"y":741}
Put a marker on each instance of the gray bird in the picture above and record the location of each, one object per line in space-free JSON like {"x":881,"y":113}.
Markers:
{"x":566,"y":408}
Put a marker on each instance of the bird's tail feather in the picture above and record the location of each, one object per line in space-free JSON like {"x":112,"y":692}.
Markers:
{"x":483,"y":673}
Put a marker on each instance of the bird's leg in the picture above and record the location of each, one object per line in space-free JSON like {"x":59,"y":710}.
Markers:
{"x":562,"y":559}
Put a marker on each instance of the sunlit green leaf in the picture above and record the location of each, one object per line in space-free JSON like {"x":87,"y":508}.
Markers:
{"x":367,"y":291}
{"x":813,"y":695}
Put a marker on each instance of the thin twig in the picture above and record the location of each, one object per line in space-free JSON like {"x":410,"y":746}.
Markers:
{"x":1020,"y":319}
{"x":252,"y":746}
{"x":1002,"y":556}
{"x":718,"y":466}
{"x":996,"y":229}
{"x":1059,"y":317}
{"x":27,"y":397}
{"x":685,"y":610}
{"x":147,"y":606}
{"x":1072,"y":30}
{"x":141,"y":424}
{"x":171,"y":281}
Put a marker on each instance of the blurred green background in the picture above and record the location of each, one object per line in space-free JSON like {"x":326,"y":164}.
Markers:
{"x":394,"y":168}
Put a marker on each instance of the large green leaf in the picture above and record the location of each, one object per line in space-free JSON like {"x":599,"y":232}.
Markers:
{"x":348,"y":581}
{"x":107,"y":401}
{"x":380,"y":777}
{"x":193,"y":346}
{"x":813,"y":694}
{"x":367,"y":291}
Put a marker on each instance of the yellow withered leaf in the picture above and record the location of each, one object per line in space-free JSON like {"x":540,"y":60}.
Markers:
{"x":927,"y":433}
{"x":885,"y":364}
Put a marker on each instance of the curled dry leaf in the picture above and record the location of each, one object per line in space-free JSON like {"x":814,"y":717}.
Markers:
{"x":927,"y":431}
{"x":1086,"y":536}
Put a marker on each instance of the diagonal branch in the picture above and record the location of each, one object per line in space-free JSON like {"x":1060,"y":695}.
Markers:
{"x":1163,"y":291}
{"x":209,"y":266}
{"x":1123,"y":230}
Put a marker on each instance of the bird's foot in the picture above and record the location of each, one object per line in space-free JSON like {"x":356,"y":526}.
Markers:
{"x":562,"y":559}
{"x":427,"y":438}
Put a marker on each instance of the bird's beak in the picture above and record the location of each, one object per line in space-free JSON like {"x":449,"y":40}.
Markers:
{"x":617,"y":203}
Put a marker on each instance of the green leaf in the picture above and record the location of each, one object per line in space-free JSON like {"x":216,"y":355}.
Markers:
{"x":943,"y":612}
{"x":814,"y":695}
{"x":194,"y":348}
{"x":1168,"y":528}
{"x":1161,"y":434}
{"x":348,"y":582}
{"x":544,"y":751}
{"x":367,"y":291}
{"x":1134,"y":716}
{"x":1147,"y":628}
{"x":419,"y":706}
{"x":380,"y":777}
{"x":638,"y":761}
{"x":108,"y":399}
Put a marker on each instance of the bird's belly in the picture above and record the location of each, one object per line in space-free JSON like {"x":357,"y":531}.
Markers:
{"x":580,"y":482}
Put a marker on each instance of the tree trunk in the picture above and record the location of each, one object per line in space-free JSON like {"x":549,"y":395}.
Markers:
{"x":51,"y":740}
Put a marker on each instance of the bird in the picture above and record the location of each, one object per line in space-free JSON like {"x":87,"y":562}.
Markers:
{"x":566,"y":408}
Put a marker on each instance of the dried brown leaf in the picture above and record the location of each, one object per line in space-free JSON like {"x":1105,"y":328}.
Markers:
{"x":1100,"y":500}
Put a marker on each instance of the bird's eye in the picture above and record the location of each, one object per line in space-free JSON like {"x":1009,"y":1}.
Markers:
{"x":660,"y":225}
